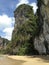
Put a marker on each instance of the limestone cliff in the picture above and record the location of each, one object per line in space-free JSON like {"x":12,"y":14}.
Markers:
{"x":24,"y":30}
{"x":42,"y":41}
{"x":21,"y":16}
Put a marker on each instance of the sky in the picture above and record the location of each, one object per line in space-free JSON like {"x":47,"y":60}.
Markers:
{"x":7,"y":20}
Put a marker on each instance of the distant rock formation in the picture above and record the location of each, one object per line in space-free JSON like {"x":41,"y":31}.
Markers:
{"x":41,"y":42}
{"x":3,"y":43}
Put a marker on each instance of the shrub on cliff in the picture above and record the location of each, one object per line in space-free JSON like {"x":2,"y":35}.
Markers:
{"x":25,"y":30}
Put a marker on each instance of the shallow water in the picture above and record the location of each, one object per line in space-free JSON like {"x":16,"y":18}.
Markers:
{"x":4,"y":60}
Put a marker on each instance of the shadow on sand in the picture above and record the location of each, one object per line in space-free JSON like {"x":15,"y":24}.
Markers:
{"x":44,"y":58}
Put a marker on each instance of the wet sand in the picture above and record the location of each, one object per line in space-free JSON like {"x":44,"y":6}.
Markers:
{"x":24,"y":60}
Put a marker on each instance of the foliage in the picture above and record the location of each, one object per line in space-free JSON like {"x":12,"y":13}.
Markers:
{"x":23,"y":37}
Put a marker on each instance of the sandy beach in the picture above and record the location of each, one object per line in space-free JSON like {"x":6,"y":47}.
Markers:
{"x":23,"y":60}
{"x":31,"y":60}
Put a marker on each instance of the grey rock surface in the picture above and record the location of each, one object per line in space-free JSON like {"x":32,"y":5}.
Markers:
{"x":41,"y":43}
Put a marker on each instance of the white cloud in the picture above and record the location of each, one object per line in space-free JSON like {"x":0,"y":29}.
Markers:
{"x":8,"y":33}
{"x":6,"y":25}
{"x":6,"y":22}
{"x":34,"y":6}
{"x":22,"y":2}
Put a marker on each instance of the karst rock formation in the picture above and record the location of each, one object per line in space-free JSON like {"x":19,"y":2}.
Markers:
{"x":41,"y":42}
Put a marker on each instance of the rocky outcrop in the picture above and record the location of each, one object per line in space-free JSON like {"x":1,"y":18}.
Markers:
{"x":3,"y":43}
{"x":21,"y":14}
{"x":24,"y":30}
{"x":41,"y":43}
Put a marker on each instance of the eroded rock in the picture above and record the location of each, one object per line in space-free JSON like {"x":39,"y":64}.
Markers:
{"x":42,"y":42}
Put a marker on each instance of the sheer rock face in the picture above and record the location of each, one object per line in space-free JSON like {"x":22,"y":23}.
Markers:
{"x":42,"y":42}
{"x":20,"y":17}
